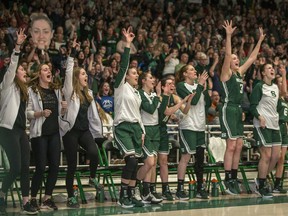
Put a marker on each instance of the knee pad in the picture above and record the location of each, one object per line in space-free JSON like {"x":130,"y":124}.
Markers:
{"x":134,"y":173}
{"x":129,"y":168}
{"x":199,"y":156}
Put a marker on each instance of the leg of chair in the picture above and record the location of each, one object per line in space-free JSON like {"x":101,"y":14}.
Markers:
{"x":80,"y":187}
{"x":217,"y":174}
{"x":12,"y":197}
{"x":245,"y":180}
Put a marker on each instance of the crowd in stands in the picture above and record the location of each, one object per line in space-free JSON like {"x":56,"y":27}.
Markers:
{"x":116,"y":41}
{"x":169,"y":34}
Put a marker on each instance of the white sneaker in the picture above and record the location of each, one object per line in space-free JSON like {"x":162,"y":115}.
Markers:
{"x":150,"y":198}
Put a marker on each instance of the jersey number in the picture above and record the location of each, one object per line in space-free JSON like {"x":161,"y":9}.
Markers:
{"x":273,"y":93}
{"x":241,"y":88}
{"x":285,"y":113}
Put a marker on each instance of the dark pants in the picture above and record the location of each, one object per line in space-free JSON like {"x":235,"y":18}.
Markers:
{"x":45,"y":147}
{"x":199,"y":166}
{"x":16,"y":145}
{"x":71,"y":142}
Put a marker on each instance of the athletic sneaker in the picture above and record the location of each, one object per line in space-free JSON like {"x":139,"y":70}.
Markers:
{"x":202,"y":194}
{"x":72,"y":202}
{"x":150,"y":198}
{"x":256,"y":181}
{"x":136,"y":198}
{"x":156,"y":195}
{"x":181,"y":195}
{"x":28,"y":209}
{"x":279,"y":189}
{"x":236,"y":186}
{"x":230,"y":189}
{"x":34,"y":204}
{"x":125,"y":202}
{"x":49,"y":204}
{"x":264,"y":193}
{"x":167,"y":195}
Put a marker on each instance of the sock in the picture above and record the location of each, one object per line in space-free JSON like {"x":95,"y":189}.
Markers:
{"x":180,"y":185}
{"x":146,"y":188}
{"x":234,"y":173}
{"x":131,"y":191}
{"x":138,"y":183}
{"x":277,"y":182}
{"x":261,"y":183}
{"x":199,"y":184}
{"x":228,"y":175}
{"x":123,"y":190}
{"x":152,"y":187}
{"x":165,"y":187}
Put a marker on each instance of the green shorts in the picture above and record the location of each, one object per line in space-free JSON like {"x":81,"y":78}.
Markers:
{"x":128,"y":138}
{"x":152,"y":141}
{"x":284,"y":135}
{"x":164,"y":141}
{"x":231,"y":122}
{"x":267,"y":137}
{"x":189,"y":140}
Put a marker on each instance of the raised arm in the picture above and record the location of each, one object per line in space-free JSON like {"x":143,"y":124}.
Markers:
{"x":124,"y":64}
{"x":243,"y":68}
{"x":9,"y":76}
{"x":283,"y":90}
{"x":226,"y":71}
{"x":68,"y":83}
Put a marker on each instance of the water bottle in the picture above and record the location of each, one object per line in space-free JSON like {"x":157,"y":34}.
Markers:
{"x":75,"y":191}
{"x":215,"y":188}
{"x":192,"y":189}
{"x":100,"y":196}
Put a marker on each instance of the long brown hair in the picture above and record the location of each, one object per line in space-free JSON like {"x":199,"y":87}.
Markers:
{"x":102,"y":114}
{"x":180,"y":74}
{"x":77,"y":87}
{"x":23,"y":89}
{"x":35,"y":84}
{"x":141,"y":77}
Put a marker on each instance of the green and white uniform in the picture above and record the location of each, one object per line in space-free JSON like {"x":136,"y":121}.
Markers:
{"x":263,"y":101}
{"x":127,"y":120}
{"x":282,"y":110}
{"x":231,"y":112}
{"x":149,"y":113}
{"x":192,"y":126}
{"x":163,"y":119}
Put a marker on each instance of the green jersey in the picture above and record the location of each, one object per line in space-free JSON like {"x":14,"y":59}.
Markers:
{"x":282,"y":109}
{"x":232,"y":90}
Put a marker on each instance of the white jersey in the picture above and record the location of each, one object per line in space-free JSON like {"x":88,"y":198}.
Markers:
{"x":147,"y":118}
{"x":127,"y":105}
{"x":267,"y":106}
{"x":196,"y":118}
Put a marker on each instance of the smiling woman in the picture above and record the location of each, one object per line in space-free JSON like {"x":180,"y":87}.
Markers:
{"x":41,"y":30}
{"x":84,"y":121}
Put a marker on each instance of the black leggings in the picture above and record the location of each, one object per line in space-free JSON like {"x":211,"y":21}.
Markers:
{"x":199,"y":165}
{"x":71,"y":140}
{"x":16,"y":145}
{"x":45,"y":147}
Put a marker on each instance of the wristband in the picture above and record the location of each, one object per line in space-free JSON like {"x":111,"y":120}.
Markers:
{"x":18,"y":44}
